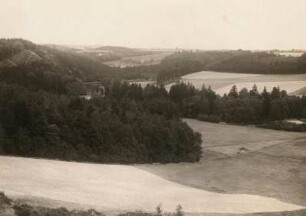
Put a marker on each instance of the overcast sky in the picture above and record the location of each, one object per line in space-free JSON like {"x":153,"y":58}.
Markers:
{"x":202,"y":24}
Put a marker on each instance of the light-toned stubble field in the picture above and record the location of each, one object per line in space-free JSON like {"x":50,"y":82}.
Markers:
{"x":222,"y":82}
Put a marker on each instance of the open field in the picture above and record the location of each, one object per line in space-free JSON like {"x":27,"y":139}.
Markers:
{"x":301,"y":91}
{"x":222,"y":82}
{"x":138,"y":60}
{"x":249,"y":160}
{"x":106,"y":187}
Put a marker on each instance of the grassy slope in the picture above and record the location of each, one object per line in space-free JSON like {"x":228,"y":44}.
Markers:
{"x":273,"y":164}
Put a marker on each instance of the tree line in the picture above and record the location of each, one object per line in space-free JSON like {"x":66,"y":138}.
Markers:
{"x":241,"y":107}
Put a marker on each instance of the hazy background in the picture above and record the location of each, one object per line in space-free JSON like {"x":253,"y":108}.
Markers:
{"x":202,"y":24}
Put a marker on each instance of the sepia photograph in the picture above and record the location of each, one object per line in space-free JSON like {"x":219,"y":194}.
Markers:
{"x":152,"y":107}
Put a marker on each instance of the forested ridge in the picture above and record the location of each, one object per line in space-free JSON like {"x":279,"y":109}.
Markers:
{"x":240,"y":61}
{"x":42,"y":113}
{"x":181,"y":63}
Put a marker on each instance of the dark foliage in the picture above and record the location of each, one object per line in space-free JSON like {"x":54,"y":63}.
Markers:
{"x":36,"y":77}
{"x":283,"y":125}
{"x":4,"y":200}
{"x":244,"y":107}
{"x":27,"y":210}
{"x":123,"y":126}
{"x":10,"y":47}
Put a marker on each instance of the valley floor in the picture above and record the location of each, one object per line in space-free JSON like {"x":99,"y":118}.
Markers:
{"x":244,"y":170}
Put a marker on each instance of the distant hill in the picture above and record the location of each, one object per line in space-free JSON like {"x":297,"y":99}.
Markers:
{"x":112,"y":53}
{"x":85,"y":64}
{"x":238,"y":61}
{"x":115,"y":49}
{"x":89,"y":63}
{"x":23,"y":53}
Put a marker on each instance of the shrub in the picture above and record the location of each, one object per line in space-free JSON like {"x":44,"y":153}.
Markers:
{"x":27,"y":210}
{"x":282,"y":125}
{"x":209,"y":118}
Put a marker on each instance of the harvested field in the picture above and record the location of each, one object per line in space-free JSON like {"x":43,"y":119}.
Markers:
{"x":138,"y":60}
{"x":301,"y":91}
{"x":222,"y":82}
{"x":119,"y":187}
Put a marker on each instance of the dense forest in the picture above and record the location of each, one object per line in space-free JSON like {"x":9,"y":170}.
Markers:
{"x":243,"y":107}
{"x":121,"y":126}
{"x":43,"y":112}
